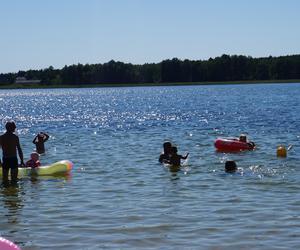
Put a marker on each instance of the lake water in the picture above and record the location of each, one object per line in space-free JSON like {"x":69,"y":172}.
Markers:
{"x":119,"y":197}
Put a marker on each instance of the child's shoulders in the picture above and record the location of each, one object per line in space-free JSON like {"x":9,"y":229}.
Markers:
{"x":28,"y":163}
{"x":32,"y":164}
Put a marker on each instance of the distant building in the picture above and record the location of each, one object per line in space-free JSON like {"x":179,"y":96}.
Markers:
{"x":23,"y":80}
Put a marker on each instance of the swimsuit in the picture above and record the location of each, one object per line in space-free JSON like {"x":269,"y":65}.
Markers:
{"x":10,"y":162}
{"x":32,"y":164}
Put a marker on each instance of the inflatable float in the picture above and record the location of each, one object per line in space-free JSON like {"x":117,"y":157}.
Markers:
{"x":232,"y":145}
{"x":8,"y":245}
{"x":59,"y":167}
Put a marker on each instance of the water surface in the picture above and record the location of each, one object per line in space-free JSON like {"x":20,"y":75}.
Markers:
{"x":119,"y":197}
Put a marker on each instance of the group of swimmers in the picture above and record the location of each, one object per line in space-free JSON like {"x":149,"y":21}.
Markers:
{"x":10,"y":144}
{"x":170,"y":156}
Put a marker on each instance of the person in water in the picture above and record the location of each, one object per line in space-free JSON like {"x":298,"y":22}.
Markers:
{"x":39,"y":141}
{"x":10,"y":144}
{"x":33,"y":162}
{"x":230,"y":167}
{"x":165,"y":156}
{"x":175,"y":159}
{"x":243,"y":138}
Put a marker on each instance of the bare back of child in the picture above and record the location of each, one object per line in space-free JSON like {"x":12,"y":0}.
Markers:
{"x":175,"y":159}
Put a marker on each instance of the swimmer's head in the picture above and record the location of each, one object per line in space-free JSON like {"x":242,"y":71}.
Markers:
{"x":243,"y":138}
{"x":40,"y":135}
{"x":10,"y":126}
{"x":230,"y":166}
{"x":34,"y":156}
{"x":167,"y":146}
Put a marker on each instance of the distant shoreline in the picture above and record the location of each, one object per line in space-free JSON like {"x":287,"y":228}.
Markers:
{"x":111,"y":85}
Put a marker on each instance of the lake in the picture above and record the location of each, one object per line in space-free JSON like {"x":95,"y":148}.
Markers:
{"x":119,"y":197}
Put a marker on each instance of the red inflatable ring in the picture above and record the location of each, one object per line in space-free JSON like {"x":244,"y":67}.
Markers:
{"x":232,"y":145}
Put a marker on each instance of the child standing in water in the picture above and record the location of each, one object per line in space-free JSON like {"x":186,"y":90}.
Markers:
{"x":175,"y":159}
{"x":165,"y":156}
{"x":34,"y":161}
{"x":39,"y":142}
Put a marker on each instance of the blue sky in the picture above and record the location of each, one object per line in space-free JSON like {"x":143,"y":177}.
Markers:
{"x":36,"y":34}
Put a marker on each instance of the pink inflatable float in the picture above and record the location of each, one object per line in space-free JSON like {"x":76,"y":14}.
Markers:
{"x":8,"y":245}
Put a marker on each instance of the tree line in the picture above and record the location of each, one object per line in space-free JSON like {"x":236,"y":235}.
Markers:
{"x":219,"y":69}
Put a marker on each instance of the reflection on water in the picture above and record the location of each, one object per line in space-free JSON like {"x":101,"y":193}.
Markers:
{"x":12,"y":199}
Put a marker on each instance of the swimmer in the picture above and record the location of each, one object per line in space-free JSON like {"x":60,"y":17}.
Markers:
{"x":39,"y":141}
{"x":165,"y":156}
{"x":33,"y":162}
{"x":175,"y":159}
{"x":230,"y":167}
{"x":243,"y":138}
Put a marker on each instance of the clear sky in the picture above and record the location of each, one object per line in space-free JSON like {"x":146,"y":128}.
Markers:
{"x":36,"y":34}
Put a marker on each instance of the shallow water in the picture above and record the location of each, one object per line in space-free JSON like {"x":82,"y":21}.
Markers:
{"x":119,"y":197}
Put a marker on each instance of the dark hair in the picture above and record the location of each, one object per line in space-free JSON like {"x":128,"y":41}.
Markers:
{"x":167,"y":144}
{"x":10,"y":126}
{"x":174,"y":149}
{"x":230,"y":166}
{"x":243,"y":138}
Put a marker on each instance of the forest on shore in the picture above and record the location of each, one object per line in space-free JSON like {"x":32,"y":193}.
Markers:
{"x":226,"y":68}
